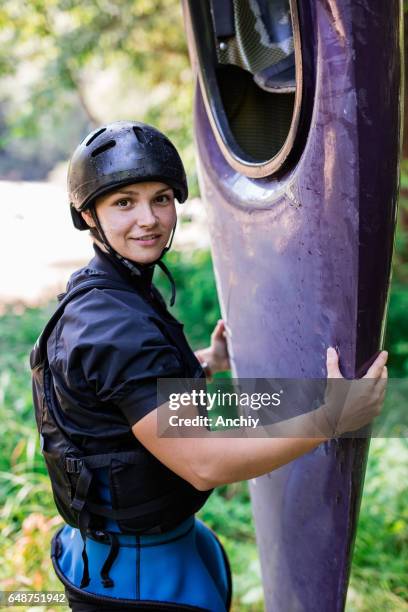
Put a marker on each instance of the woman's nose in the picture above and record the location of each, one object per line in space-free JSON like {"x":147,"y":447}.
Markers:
{"x":145,"y":216}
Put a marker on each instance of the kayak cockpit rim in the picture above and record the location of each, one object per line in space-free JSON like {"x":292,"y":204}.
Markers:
{"x":236,"y":149}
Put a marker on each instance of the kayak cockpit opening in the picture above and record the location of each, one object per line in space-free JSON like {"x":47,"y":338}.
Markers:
{"x":250,"y":70}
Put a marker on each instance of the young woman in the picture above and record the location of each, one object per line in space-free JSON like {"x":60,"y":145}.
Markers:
{"x":128,"y":495}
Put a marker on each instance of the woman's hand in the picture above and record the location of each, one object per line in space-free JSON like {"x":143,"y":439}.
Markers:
{"x":216,"y":355}
{"x":353,"y":404}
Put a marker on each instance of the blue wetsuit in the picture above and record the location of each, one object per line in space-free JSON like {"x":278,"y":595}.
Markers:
{"x":184,"y":566}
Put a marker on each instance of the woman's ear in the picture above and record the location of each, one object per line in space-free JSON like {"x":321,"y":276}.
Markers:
{"x":87,"y":217}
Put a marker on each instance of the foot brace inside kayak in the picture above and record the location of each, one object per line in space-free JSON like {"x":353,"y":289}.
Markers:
{"x":257,"y":35}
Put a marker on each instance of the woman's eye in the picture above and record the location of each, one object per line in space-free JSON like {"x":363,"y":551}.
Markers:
{"x":124,"y":203}
{"x":162,"y":199}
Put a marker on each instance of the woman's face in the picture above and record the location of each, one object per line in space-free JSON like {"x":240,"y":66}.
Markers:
{"x":137,"y":219}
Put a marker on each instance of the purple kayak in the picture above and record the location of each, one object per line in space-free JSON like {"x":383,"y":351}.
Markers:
{"x":297,"y":122}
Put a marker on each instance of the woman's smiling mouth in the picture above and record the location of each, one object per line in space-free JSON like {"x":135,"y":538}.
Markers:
{"x":148,"y":239}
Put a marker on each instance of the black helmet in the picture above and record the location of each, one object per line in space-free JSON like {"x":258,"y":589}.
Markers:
{"x":121,"y":153}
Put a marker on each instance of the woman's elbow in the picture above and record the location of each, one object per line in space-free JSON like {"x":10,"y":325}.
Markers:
{"x":198,"y":480}
{"x":205,"y":477}
{"x":201,"y":485}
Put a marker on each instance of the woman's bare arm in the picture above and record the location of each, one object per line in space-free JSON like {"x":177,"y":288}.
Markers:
{"x":214,"y":458}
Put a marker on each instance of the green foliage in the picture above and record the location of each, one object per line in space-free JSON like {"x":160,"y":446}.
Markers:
{"x":384,"y":560}
{"x":397,"y":332}
{"x":23,"y":480}
{"x":380,"y":563}
{"x":68,"y":48}
{"x":401,"y":236}
{"x":27,"y":515}
{"x":397,"y":322}
{"x":69,"y":36}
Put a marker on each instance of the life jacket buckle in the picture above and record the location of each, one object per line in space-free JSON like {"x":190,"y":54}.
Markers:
{"x":73,"y":465}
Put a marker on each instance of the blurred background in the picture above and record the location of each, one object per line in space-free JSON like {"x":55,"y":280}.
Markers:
{"x":66,"y":67}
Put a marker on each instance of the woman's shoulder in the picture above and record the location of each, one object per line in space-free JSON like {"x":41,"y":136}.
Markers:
{"x":102,"y":315}
{"x":103,"y":292}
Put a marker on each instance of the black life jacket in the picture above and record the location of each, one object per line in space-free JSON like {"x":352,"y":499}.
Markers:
{"x":146,"y":496}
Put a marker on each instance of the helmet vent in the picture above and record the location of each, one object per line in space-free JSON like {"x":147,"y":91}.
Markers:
{"x":140,"y":135}
{"x":104,"y":147}
{"x":98,"y":133}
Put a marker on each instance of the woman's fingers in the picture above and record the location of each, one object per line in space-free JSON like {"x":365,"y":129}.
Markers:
{"x":362,"y":402}
{"x":381,"y":383}
{"x":219,"y":330}
{"x":376,"y":369}
{"x":332,"y":363}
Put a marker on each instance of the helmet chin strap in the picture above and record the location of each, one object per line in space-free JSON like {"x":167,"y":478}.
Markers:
{"x":134,"y":270}
{"x":168,"y":247}
{"x":165,"y":269}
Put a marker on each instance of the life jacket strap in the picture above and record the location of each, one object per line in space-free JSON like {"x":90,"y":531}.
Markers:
{"x":73,"y":465}
{"x":167,"y":272}
{"x":132,"y":511}
{"x":113,"y":553}
{"x":82,"y":488}
{"x":84,"y":518}
{"x":85,"y":464}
